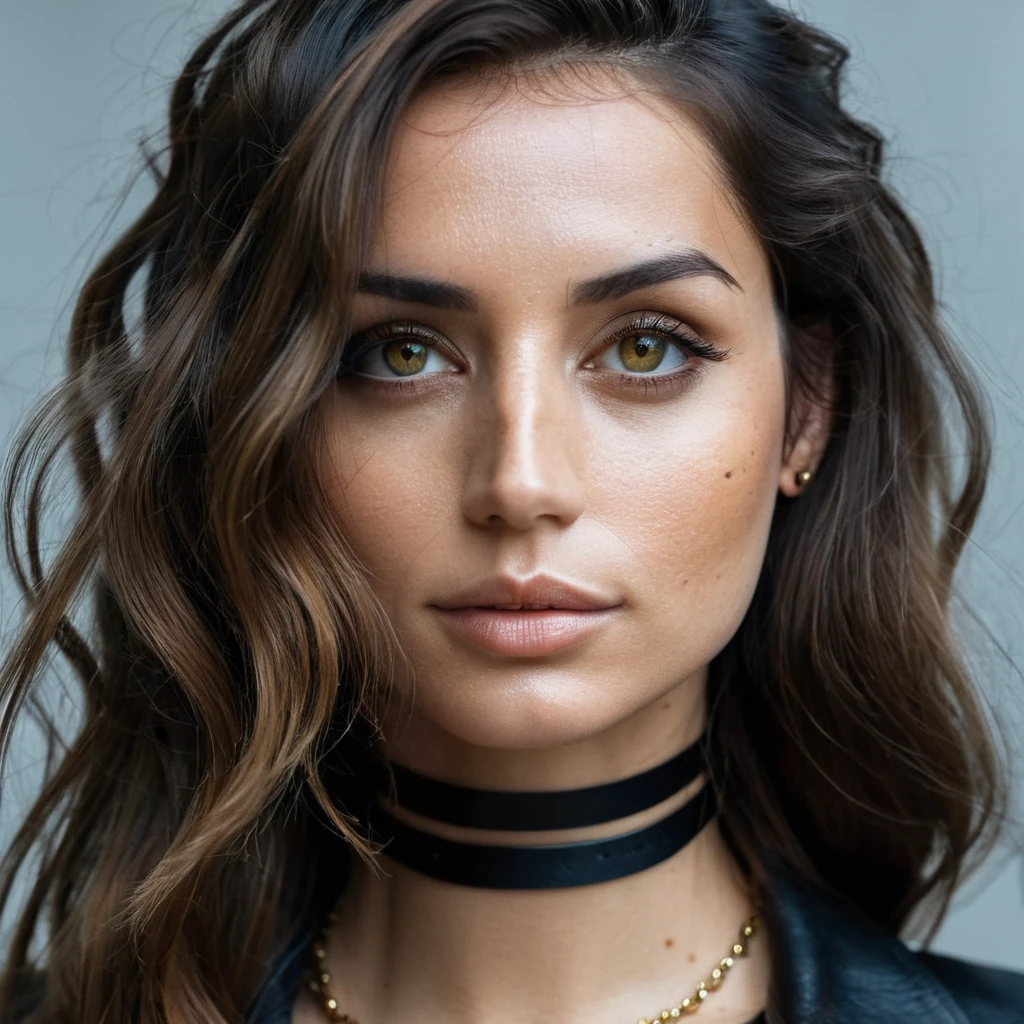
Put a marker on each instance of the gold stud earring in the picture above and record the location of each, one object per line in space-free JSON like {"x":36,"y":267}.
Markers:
{"x":802,"y":477}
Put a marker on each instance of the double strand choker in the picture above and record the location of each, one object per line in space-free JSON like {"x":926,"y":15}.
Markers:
{"x":547,"y":866}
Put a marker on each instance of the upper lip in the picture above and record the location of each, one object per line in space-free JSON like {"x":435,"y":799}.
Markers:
{"x":539,"y":591}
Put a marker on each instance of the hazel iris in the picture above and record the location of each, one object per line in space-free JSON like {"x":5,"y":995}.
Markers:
{"x":640,"y":352}
{"x":405,"y":357}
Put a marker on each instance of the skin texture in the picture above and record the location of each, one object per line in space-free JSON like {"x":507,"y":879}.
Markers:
{"x":520,"y":452}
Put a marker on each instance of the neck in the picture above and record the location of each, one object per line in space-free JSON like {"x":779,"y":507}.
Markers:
{"x":623,"y":948}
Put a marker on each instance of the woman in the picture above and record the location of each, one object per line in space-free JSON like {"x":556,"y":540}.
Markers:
{"x":521,"y":537}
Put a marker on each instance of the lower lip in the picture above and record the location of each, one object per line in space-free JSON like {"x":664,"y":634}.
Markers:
{"x":525,"y":634}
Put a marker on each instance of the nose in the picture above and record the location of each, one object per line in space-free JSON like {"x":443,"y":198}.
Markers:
{"x":527,"y":445}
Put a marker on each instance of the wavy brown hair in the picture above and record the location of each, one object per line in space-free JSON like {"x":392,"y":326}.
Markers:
{"x":235,"y":647}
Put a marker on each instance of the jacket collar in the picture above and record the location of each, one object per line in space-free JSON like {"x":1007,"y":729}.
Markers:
{"x":835,"y":965}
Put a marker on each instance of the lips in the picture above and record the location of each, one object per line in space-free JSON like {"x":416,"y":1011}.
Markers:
{"x":535,"y":593}
{"x":526,"y":618}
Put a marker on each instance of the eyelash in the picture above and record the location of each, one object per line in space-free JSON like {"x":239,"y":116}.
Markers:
{"x":690,"y":372}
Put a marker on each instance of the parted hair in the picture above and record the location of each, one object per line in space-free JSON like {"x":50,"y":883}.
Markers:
{"x":231,"y":648}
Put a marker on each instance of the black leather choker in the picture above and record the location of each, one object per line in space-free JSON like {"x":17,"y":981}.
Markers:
{"x":547,"y":866}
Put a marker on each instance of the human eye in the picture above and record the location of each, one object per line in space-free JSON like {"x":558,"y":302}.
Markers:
{"x":394,"y":354}
{"x":654,"y":352}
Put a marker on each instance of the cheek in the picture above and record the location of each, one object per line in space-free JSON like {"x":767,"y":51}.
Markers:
{"x":390,"y":482}
{"x":696,"y":509}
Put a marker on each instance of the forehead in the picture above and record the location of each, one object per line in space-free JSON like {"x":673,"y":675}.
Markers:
{"x":487,"y":175}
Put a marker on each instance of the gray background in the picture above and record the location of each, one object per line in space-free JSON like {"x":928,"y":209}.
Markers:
{"x":81,"y":80}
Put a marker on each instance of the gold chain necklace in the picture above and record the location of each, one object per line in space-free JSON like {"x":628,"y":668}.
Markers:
{"x":320,"y":979}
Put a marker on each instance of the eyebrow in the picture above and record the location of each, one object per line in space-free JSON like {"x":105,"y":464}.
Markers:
{"x":668,"y":267}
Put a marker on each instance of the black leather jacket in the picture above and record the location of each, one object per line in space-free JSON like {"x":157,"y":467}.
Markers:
{"x":834,"y":965}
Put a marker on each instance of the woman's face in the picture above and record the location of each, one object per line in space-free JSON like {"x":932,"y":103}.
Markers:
{"x":592,"y":389}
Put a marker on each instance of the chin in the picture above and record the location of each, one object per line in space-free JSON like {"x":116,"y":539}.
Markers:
{"x":532,"y":710}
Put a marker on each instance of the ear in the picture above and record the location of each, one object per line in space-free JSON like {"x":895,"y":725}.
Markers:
{"x":813,"y":406}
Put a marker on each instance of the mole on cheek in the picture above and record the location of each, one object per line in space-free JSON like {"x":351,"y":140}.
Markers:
{"x":669,"y":942}
{"x":728,"y":473}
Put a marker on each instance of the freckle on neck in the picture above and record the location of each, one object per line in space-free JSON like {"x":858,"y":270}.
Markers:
{"x":669,"y":942}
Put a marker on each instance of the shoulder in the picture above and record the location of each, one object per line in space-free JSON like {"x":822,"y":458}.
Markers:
{"x":834,"y":964}
{"x":984,"y":992}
